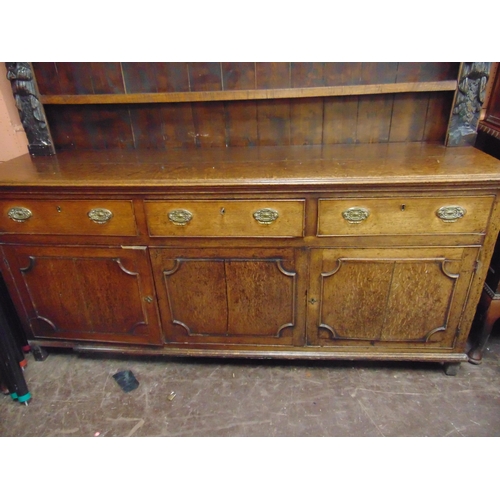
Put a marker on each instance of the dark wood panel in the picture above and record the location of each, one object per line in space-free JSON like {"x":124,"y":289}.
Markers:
{"x":307,"y":74}
{"x":378,"y":72}
{"x":64,"y":121}
{"x":340,"y":120}
{"x":178,"y":125}
{"x":47,"y":78}
{"x":210,"y":124}
{"x":75,"y":78}
{"x":438,"y":114}
{"x":107,"y":78}
{"x":106,"y":285}
{"x":147,"y":126}
{"x":139,"y":77}
{"x":205,"y":76}
{"x":408,"y":117}
{"x":156,"y":77}
{"x":374,"y":118}
{"x":274,"y":122}
{"x":171,"y":77}
{"x":336,"y":73}
{"x":238,"y":76}
{"x":110,"y":127}
{"x":91,"y":127}
{"x":427,"y":71}
{"x":241,"y":123}
{"x":306,"y":121}
{"x":87,"y":293}
{"x":273,"y":75}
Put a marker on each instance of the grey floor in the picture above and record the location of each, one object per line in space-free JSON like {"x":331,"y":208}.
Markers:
{"x":76,"y":395}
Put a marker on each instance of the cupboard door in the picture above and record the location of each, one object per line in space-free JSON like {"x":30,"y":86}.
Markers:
{"x":100,"y":294}
{"x":399,"y":297}
{"x":223,"y":296}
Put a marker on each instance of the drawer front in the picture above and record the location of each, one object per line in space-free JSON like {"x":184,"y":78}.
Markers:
{"x":226,"y":218}
{"x":379,"y":216}
{"x":78,"y":217}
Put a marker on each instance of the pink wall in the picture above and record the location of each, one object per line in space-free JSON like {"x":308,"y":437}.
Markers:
{"x":13,"y":141}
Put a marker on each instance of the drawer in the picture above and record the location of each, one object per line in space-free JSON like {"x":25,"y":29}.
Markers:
{"x":78,"y":217}
{"x":405,"y":215}
{"x":226,"y":218}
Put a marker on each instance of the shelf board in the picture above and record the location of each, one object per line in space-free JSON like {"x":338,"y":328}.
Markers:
{"x":242,"y":95}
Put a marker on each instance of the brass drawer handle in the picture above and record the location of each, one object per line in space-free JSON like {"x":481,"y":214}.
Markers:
{"x":100,"y":215}
{"x":19,"y":214}
{"x":451,"y":213}
{"x":266,"y":215}
{"x":180,"y":217}
{"x":355,"y":215}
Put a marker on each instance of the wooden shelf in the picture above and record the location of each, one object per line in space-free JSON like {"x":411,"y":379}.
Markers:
{"x":241,"y":95}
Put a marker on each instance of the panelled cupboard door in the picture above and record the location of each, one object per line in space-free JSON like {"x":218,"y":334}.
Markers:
{"x":229,"y":296}
{"x":388,"y":297}
{"x":100,"y":294}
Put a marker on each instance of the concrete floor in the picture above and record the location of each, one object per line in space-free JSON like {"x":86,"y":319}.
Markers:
{"x":76,"y":395}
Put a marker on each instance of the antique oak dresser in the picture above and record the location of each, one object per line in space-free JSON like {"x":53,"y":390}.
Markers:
{"x":293,"y":210}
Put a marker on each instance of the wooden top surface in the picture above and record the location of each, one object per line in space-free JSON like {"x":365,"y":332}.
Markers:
{"x":259,"y":167}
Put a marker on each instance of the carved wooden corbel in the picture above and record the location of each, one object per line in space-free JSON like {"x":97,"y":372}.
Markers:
{"x":30,"y":108}
{"x":469,"y":98}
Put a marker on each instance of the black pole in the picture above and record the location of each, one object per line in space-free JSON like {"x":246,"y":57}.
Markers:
{"x":9,"y":361}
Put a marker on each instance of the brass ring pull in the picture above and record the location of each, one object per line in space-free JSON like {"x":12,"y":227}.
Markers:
{"x":19,"y":214}
{"x":180,"y":217}
{"x":266,"y":215}
{"x":100,"y":215}
{"x":451,"y":213}
{"x":355,"y":215}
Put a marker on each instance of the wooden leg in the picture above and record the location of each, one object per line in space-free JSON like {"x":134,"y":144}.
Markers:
{"x":490,"y":317}
{"x":39,"y":353}
{"x":451,"y":369}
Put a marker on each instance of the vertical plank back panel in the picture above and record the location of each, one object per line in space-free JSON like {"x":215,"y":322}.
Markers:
{"x":306,"y":122}
{"x":139,"y":77}
{"x":342,"y":73}
{"x":238,"y":76}
{"x":147,"y":126}
{"x":205,"y":76}
{"x":274,"y":122}
{"x":307,"y":74}
{"x":340,"y":120}
{"x":275,"y":75}
{"x":47,"y":78}
{"x":378,"y":72}
{"x":110,"y":127}
{"x":178,"y":125}
{"x":408,"y":117}
{"x":75,"y":78}
{"x":241,"y":123}
{"x":426,"y":72}
{"x":374,"y":118}
{"x":107,"y":78}
{"x":302,"y":121}
{"x":438,"y":114}
{"x":171,"y":77}
{"x":210,"y":124}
